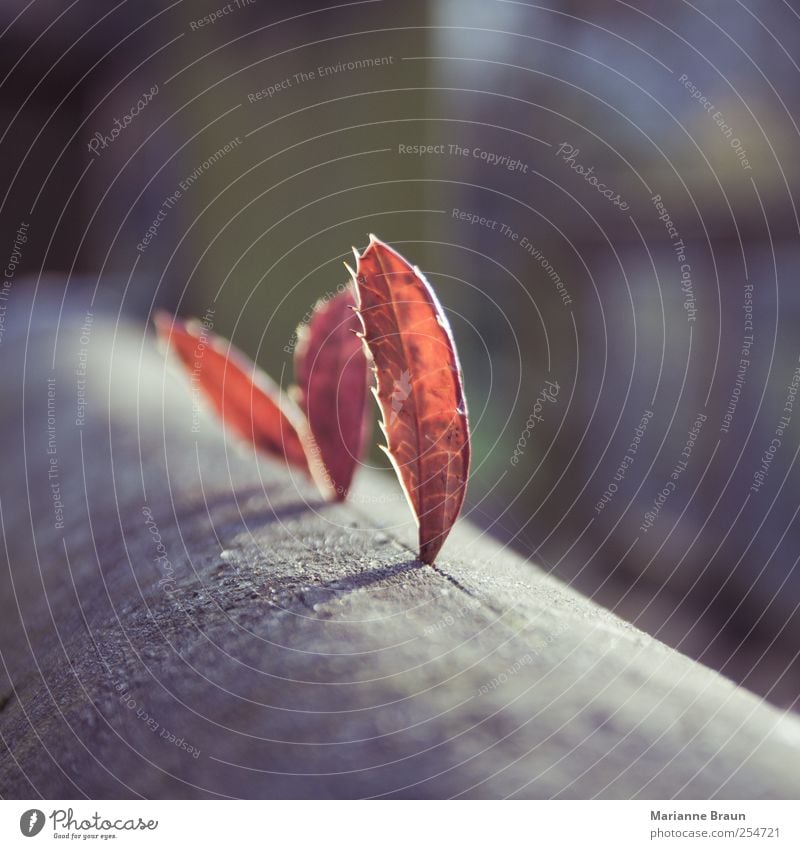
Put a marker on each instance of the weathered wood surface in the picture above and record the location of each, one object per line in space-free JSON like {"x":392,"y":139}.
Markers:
{"x":287,"y":649}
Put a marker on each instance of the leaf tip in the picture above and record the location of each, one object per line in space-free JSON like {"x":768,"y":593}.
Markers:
{"x":374,"y":244}
{"x":163,"y":321}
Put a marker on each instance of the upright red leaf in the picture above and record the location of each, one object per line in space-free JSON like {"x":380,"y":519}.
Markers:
{"x":250,"y":404}
{"x":331,"y":372}
{"x":419,"y":391}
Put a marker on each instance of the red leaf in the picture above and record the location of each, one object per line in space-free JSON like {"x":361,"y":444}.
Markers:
{"x":250,"y":404}
{"x":331,"y":372}
{"x":420,"y":390}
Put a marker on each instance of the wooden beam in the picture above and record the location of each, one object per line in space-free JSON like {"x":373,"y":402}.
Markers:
{"x":203,"y":626}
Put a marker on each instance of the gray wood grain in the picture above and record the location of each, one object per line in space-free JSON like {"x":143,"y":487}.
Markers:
{"x":282,"y":647}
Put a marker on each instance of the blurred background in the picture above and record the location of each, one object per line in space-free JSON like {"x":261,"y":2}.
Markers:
{"x":603,"y":195}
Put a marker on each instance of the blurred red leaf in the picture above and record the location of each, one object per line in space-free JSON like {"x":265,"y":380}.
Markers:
{"x":419,"y":391}
{"x":250,"y":404}
{"x":331,"y":373}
